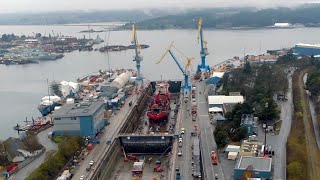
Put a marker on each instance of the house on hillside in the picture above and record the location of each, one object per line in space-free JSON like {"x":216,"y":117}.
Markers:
{"x":12,"y":146}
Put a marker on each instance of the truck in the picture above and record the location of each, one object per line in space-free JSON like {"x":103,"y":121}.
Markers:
{"x":214,"y":158}
{"x":178,"y":176}
{"x":137,"y":168}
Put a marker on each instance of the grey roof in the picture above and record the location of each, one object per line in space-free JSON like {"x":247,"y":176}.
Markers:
{"x":12,"y":145}
{"x":107,"y":90}
{"x":78,"y":109}
{"x":196,"y":147}
{"x":257,"y":163}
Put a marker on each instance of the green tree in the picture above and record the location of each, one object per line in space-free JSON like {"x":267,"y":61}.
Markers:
{"x":239,"y":134}
{"x":247,"y":68}
{"x":56,"y":88}
{"x":221,"y":139}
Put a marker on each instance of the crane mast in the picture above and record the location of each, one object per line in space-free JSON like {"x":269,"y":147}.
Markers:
{"x":138,"y":58}
{"x":204,"y":50}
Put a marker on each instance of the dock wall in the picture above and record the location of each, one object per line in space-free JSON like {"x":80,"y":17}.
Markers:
{"x":115,"y":152}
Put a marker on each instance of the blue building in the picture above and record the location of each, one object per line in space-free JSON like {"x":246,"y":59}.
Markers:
{"x":250,"y":123}
{"x":84,"y":119}
{"x":260,"y":166}
{"x":307,"y":49}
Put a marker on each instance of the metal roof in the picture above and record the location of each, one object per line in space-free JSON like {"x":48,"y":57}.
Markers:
{"x":221,"y":99}
{"x":78,"y":109}
{"x":196,"y":147}
{"x":258,"y":163}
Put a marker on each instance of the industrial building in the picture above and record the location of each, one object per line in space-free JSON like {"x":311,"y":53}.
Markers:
{"x":232,"y":151}
{"x":251,"y":148}
{"x":250,"y":123}
{"x":283,"y":25}
{"x":216,"y":103}
{"x":259,"y":166}
{"x":215,"y":78}
{"x":85,"y":118}
{"x":307,"y":49}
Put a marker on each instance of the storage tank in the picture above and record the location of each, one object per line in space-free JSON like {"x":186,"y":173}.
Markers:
{"x":121,"y":80}
{"x":65,"y":88}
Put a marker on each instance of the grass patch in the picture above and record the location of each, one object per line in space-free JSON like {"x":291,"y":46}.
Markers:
{"x":296,"y":146}
{"x":57,"y":139}
{"x":302,"y":150}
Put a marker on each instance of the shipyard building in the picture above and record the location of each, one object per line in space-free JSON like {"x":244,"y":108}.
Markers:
{"x":307,"y":49}
{"x":85,"y":118}
{"x":259,"y":167}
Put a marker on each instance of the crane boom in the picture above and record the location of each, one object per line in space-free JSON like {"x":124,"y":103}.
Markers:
{"x":186,"y":76}
{"x":175,"y":60}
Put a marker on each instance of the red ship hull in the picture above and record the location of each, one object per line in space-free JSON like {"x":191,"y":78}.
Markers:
{"x":160,"y":107}
{"x":157,"y":117}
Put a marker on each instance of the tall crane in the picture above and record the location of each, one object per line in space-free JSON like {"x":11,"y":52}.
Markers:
{"x":204,"y":50}
{"x":138,"y":58}
{"x":186,"y":88}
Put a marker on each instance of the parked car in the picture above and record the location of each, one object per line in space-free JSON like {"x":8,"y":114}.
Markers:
{"x":91,"y":162}
{"x":182,"y":130}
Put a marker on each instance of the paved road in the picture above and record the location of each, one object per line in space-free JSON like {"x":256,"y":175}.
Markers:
{"x":110,"y":133}
{"x":184,"y":161}
{"x":48,"y":144}
{"x":280,"y":141}
{"x":207,"y":143}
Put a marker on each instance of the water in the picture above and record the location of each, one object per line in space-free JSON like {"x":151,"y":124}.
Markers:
{"x":23,"y":86}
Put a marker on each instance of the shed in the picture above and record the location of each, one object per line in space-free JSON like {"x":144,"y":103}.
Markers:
{"x":232,"y":155}
{"x":215,"y":110}
{"x":232,"y":148}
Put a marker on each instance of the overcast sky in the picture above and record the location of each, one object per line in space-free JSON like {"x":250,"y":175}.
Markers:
{"x":57,"y":5}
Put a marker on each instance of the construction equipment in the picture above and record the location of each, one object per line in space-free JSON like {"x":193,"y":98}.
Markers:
{"x":186,"y":88}
{"x":214,"y":158}
{"x":138,"y":58}
{"x":248,"y":173}
{"x":204,"y":50}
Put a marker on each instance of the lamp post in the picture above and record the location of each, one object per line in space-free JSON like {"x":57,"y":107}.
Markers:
{"x":265,"y":130}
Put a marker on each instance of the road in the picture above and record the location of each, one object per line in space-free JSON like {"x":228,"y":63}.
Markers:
{"x":110,"y":133}
{"x":48,"y":144}
{"x":280,"y":141}
{"x":184,"y":161}
{"x":207,"y":142}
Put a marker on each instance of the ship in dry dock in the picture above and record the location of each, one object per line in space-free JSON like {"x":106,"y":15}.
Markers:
{"x":160,"y":106}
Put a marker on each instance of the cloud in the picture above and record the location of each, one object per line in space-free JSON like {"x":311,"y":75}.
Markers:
{"x":57,"y":5}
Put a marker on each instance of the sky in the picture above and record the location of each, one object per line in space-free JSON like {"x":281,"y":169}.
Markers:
{"x":18,"y":6}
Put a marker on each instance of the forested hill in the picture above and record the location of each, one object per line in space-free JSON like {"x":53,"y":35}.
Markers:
{"x":218,"y":18}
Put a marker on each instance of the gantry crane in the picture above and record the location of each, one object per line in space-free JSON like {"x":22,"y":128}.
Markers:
{"x":186,"y":88}
{"x":138,"y":58}
{"x":204,"y":50}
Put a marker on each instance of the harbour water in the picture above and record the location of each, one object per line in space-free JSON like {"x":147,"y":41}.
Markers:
{"x":23,"y":86}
